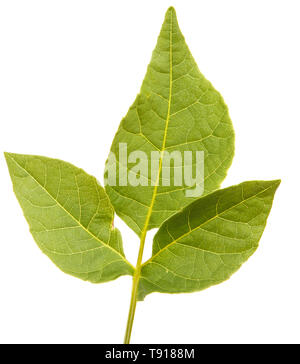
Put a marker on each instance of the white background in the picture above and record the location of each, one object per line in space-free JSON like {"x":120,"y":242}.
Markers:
{"x":69,"y":70}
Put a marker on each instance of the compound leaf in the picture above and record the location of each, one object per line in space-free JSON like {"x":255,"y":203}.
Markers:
{"x":70,"y":217}
{"x":177,"y":109}
{"x":208,"y":241}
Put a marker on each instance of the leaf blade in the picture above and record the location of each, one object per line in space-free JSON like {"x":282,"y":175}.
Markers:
{"x":209,"y":240}
{"x":177,"y":109}
{"x":70,"y":217}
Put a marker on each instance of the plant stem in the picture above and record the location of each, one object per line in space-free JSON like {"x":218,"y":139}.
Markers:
{"x":137,"y":273}
{"x":135,"y":283}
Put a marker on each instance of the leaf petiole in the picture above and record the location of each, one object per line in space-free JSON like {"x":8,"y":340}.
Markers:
{"x":135,"y":284}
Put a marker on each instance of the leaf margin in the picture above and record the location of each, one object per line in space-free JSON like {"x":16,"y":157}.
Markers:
{"x":142,"y":291}
{"x":113,"y":230}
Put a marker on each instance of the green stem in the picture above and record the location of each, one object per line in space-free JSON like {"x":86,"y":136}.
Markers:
{"x":137,"y":273}
{"x":135,"y":283}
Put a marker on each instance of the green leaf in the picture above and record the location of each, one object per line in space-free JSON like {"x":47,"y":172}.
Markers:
{"x":70,"y":217}
{"x":208,"y":241}
{"x":201,"y":241}
{"x":176,"y":109}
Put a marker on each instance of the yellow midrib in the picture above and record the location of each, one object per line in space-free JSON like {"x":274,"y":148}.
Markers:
{"x":144,"y":231}
{"x":137,"y":274}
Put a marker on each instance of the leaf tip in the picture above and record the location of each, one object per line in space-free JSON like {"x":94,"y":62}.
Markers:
{"x":10,"y":156}
{"x":171,"y":9}
{"x":171,"y":17}
{"x":277,"y":182}
{"x":6,"y":156}
{"x":171,"y":12}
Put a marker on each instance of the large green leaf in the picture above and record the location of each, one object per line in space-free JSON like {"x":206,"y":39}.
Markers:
{"x":177,"y":109}
{"x":70,"y":217}
{"x":209,"y":240}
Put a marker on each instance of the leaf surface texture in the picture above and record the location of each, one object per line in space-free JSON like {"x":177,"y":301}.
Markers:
{"x":70,"y":217}
{"x":176,"y":109}
{"x":208,"y":240}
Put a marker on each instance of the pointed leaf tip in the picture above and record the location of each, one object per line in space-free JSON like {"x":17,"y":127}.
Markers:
{"x":7,"y":156}
{"x":171,"y":9}
{"x":276,"y":183}
{"x":171,"y":13}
